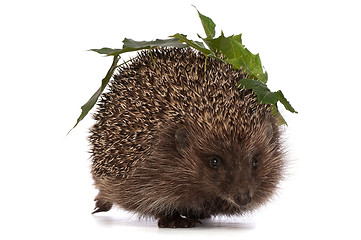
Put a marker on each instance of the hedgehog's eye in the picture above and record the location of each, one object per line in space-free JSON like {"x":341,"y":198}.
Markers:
{"x":215,"y":161}
{"x":256,"y":160}
{"x":254,"y":163}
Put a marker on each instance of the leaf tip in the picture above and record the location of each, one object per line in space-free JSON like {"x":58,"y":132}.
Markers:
{"x":71,"y":130}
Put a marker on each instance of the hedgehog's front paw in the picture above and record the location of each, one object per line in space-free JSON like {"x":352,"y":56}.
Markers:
{"x":177,"y":221}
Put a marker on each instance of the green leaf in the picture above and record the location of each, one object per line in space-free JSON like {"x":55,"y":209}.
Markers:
{"x":213,"y":43}
{"x":285,"y":102}
{"x":264,"y":95}
{"x":92,"y":101}
{"x":195,"y":44}
{"x":130,"y":45}
{"x":226,"y":49}
{"x":231,"y":47}
{"x":239,"y":56}
{"x":208,"y":25}
{"x":259,"y":88}
{"x":107,"y":51}
{"x":235,"y":53}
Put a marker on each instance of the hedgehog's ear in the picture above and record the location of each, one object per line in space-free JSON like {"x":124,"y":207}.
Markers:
{"x":181,"y":140}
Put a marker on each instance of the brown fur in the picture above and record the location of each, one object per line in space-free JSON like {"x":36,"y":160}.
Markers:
{"x":158,"y":128}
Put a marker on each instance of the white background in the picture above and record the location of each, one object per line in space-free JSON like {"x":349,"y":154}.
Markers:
{"x":311,"y":50}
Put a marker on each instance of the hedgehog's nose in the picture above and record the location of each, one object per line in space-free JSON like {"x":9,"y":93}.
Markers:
{"x":242,"y":199}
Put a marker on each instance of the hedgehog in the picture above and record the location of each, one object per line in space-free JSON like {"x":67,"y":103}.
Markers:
{"x":176,"y":140}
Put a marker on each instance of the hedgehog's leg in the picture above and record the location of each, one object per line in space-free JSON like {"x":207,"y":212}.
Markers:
{"x":101,"y":205}
{"x":176,"y":221}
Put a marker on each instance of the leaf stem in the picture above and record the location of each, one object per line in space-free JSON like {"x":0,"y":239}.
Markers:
{"x":151,"y":55}
{"x":205,"y":67}
{"x":124,"y":63}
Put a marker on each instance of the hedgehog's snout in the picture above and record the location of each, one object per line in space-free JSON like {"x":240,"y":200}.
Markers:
{"x":243,"y":198}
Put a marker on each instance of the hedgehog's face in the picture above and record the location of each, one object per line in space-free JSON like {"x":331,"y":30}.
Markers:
{"x":241,"y":170}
